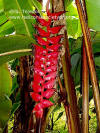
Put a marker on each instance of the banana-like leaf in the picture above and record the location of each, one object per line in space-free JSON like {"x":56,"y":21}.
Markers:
{"x":6,"y":28}
{"x":73,"y":22}
{"x":3,"y":19}
{"x":93,"y":12}
{"x":18,"y":12}
{"x":15,"y":46}
{"x":67,"y":2}
{"x":5,"y":88}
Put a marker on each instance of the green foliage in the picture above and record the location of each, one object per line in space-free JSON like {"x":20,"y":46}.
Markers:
{"x":5,"y":87}
{"x":58,"y":126}
{"x":15,"y":84}
{"x":5,"y":80}
{"x":97,"y":61}
{"x":15,"y":107}
{"x":59,"y":116}
{"x":18,"y":12}
{"x":76,"y":67}
{"x":67,"y":2}
{"x":37,"y":5}
{"x":6,"y":28}
{"x":14,"y":43}
{"x":3,"y":18}
{"x":14,"y":63}
{"x":72,"y":21}
{"x":93,"y":12}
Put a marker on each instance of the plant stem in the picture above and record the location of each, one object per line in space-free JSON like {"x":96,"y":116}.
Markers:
{"x":66,"y":106}
{"x":85,"y":92}
{"x":90,"y":57}
{"x":69,"y":84}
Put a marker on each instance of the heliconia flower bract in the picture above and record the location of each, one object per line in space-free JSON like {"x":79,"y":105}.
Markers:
{"x":45,"y":63}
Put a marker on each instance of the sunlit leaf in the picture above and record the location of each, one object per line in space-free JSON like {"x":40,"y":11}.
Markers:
{"x":18,"y":12}
{"x":5,"y":88}
{"x":14,"y":46}
{"x":93,"y":12}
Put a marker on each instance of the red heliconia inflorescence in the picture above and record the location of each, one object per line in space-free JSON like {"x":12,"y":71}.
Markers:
{"x":45,"y":63}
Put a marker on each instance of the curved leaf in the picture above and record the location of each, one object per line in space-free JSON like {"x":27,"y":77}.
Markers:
{"x":6,"y":28}
{"x":93,"y":12}
{"x":73,"y":22}
{"x":5,"y":88}
{"x":14,"y":46}
{"x":18,"y":12}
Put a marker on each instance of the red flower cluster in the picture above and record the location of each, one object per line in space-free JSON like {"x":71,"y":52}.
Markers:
{"x":45,"y":64}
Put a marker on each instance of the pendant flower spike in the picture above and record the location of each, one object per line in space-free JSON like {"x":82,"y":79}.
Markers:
{"x":45,"y":63}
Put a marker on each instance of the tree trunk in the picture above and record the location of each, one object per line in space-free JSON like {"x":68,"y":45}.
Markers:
{"x":22,"y":115}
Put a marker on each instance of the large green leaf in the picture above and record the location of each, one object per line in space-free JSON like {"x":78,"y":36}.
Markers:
{"x":93,"y":12}
{"x":67,"y":2}
{"x":14,"y":46}
{"x":3,"y":18}
{"x":18,"y":12}
{"x":6,"y":28}
{"x":1,"y":6}
{"x":5,"y":88}
{"x":97,"y":61}
{"x":73,"y":23}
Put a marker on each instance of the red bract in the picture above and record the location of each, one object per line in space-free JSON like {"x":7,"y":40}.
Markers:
{"x":48,"y":93}
{"x":51,"y":69}
{"x":55,"y":39}
{"x":51,"y":62}
{"x":39,"y":71}
{"x":45,"y":62}
{"x":39,"y":50}
{"x":53,"y":54}
{"x":54,"y":16}
{"x":42,"y":32}
{"x":37,"y":78}
{"x":51,"y":75}
{"x":54,"y":30}
{"x":38,"y":109}
{"x":36,"y":87}
{"x":41,"y":21}
{"x":53,"y":47}
{"x":36,"y":97}
{"x":49,"y":84}
{"x":46,"y":103}
{"x":41,"y":41}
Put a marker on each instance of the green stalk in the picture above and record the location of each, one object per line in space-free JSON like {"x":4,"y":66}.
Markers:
{"x":85,"y":92}
{"x":90,"y":58}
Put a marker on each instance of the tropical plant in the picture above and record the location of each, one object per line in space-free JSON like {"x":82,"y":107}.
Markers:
{"x":49,"y":58}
